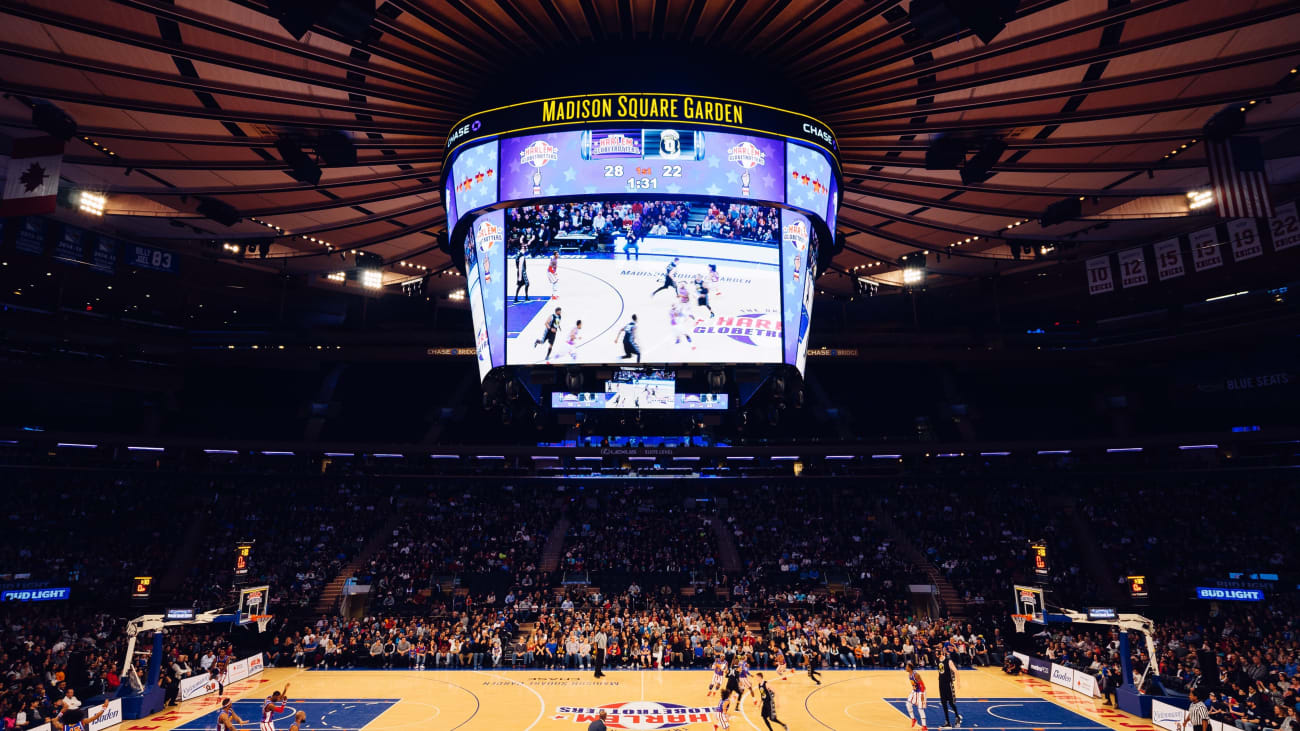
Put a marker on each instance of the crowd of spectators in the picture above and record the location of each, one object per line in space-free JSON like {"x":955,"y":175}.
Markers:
{"x":641,"y":529}
{"x":458,"y":535}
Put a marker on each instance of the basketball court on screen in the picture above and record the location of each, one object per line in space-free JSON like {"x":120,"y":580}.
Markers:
{"x":523,"y":700}
{"x":605,"y":292}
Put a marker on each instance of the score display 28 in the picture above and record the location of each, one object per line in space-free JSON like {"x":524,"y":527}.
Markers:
{"x":639,"y":178}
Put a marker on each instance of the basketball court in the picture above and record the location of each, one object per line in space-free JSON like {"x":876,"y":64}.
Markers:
{"x":521,"y":700}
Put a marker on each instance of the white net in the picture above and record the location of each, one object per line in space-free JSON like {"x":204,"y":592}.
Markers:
{"x":263,"y":621}
{"x":1020,"y":620}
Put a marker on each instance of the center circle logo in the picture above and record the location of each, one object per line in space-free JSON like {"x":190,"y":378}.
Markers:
{"x":638,"y":715}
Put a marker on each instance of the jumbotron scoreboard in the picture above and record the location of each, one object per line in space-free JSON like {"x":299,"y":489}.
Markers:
{"x":640,"y":229}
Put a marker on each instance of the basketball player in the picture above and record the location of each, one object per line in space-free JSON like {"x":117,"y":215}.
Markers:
{"x":570,"y":345}
{"x":630,"y":346}
{"x":219,"y":669}
{"x":521,"y":277}
{"x":669,"y":284}
{"x":811,"y":659}
{"x":298,"y":718}
{"x":680,"y":320}
{"x":702,"y":296}
{"x":227,"y":719}
{"x":273,"y":705}
{"x":745,"y":683}
{"x":731,"y":687}
{"x":948,"y":687}
{"x":714,"y":279}
{"x":916,"y":699}
{"x":548,"y":337}
{"x":74,"y":719}
{"x":779,"y":660}
{"x":553,"y":274}
{"x":768,"y":711}
{"x":719,"y":670}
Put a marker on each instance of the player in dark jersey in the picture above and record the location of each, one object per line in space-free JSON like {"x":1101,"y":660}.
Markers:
{"x":768,"y":711}
{"x":702,"y":295}
{"x":548,"y":337}
{"x":521,"y":276}
{"x":669,"y":284}
{"x":731,"y":686}
{"x":630,"y":345}
{"x":948,"y":687}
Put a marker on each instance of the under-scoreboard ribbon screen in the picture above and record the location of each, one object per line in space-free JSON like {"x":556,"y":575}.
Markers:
{"x":635,"y":228}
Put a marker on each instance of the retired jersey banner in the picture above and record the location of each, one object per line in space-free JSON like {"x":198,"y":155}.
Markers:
{"x":1207,"y":253}
{"x":1245,"y":240}
{"x":1099,"y":277}
{"x":1285,"y":227}
{"x":1169,"y":260}
{"x":32,"y":178}
{"x":1132,"y":268}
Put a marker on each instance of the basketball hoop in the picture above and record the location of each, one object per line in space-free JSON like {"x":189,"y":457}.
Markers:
{"x":1020,"y":620}
{"x":262,"y":620}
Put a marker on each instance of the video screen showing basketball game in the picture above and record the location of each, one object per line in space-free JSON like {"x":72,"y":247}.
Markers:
{"x":625,"y":282}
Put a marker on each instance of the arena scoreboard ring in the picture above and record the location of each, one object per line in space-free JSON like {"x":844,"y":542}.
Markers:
{"x":700,"y":216}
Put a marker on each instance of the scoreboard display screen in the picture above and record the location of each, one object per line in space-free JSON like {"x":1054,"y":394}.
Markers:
{"x":623,"y":229}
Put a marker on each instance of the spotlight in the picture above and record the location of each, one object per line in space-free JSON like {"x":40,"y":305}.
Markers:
{"x":1197,"y":199}
{"x":91,"y":203}
{"x":372,"y":278}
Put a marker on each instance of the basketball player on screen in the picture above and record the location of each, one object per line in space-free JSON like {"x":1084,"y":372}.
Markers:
{"x":680,"y":319}
{"x":670,"y":283}
{"x":916,"y":699}
{"x":548,"y":337}
{"x":553,"y":274}
{"x":570,"y":346}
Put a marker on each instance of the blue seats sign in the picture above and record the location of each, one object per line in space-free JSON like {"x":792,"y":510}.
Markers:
{"x":1229,"y":595}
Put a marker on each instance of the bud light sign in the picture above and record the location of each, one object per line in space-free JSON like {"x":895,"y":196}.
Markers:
{"x":1229,"y":595}
{"x":36,"y":595}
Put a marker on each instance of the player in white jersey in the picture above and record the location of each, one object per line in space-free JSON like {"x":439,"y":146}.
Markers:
{"x":719,"y":670}
{"x":680,"y":318}
{"x":569,"y":347}
{"x":553,"y":275}
{"x":273,"y":705}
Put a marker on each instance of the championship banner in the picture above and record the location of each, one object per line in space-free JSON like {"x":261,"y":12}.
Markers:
{"x":1206,"y":250}
{"x":1099,"y":279}
{"x":1169,"y":259}
{"x":1285,"y":227}
{"x":197,"y":685}
{"x":1244,"y":237}
{"x":1132,"y":268}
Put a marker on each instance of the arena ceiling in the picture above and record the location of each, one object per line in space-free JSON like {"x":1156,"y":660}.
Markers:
{"x":1095,"y":99}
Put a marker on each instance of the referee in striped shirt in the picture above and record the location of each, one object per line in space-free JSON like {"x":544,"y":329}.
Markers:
{"x":1198,"y":716}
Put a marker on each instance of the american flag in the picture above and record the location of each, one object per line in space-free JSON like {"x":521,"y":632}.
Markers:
{"x":1238,"y":178}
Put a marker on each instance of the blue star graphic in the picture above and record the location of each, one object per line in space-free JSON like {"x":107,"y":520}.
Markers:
{"x":713,"y":190}
{"x":552,"y":190}
{"x":713,"y":161}
{"x":589,"y":189}
{"x":732,"y":177}
{"x":570,"y":174}
{"x":768,"y":180}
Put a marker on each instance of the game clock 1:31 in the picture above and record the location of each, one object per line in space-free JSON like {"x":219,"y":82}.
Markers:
{"x":641,"y":177}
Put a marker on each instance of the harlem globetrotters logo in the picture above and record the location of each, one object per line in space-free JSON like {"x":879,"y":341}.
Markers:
{"x":487,"y":235}
{"x":616,"y":144}
{"x":748,"y":156}
{"x":538,"y":154}
{"x":638,"y":715}
{"x":797,"y":234}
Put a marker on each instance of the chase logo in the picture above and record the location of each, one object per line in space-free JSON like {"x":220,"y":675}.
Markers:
{"x":819,"y":133}
{"x":637,"y":715}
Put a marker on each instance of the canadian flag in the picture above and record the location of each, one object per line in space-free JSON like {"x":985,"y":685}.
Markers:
{"x":32,"y":181}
